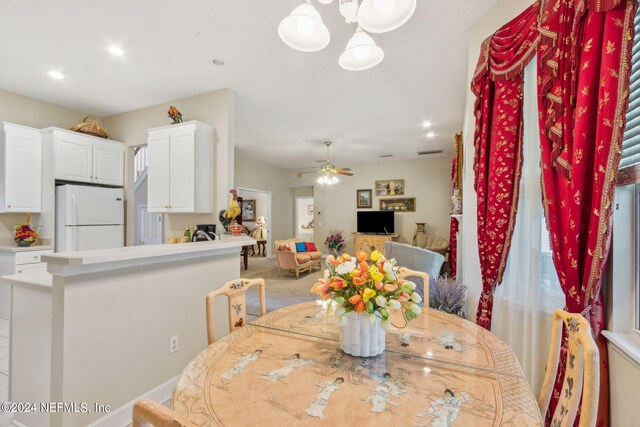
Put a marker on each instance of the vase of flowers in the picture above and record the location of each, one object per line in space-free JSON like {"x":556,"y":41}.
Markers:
{"x":335,"y":242}
{"x":366,"y":289}
{"x":25,"y":235}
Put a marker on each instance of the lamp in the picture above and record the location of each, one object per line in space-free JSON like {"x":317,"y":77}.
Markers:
{"x":361,"y":53}
{"x":303,"y":29}
{"x":327,"y":180}
{"x":381,"y":16}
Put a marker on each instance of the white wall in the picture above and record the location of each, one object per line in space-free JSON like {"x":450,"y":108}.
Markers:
{"x":428,"y":180}
{"x":216,"y":109}
{"x":253,"y":174}
{"x":302,"y":207}
{"x":26,"y":111}
{"x":501,"y":13}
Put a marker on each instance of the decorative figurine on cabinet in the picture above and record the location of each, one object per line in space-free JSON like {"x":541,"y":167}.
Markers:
{"x":175,"y":115}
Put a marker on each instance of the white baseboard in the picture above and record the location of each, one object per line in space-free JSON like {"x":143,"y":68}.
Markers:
{"x":121,"y":416}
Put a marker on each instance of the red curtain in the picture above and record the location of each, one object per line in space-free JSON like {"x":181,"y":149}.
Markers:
{"x":498,"y":87}
{"x":584,"y":58}
{"x":453,"y":246}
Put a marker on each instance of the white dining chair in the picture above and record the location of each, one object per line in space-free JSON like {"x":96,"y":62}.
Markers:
{"x":582,"y":372}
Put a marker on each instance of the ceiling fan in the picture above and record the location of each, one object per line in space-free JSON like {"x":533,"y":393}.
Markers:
{"x":328,"y":172}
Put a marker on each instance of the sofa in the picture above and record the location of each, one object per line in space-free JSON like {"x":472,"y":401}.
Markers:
{"x":431,"y":242}
{"x":293,"y":260}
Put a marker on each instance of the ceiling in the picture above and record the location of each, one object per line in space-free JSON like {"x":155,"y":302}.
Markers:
{"x":287,"y":102}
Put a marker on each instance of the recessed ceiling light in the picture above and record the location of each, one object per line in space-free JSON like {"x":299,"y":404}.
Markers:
{"x":116,"y":50}
{"x":426,"y":124}
{"x":218,"y":62}
{"x":431,"y":135}
{"x":56,"y":75}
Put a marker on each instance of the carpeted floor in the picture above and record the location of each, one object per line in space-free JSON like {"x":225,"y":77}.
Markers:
{"x":280,"y":291}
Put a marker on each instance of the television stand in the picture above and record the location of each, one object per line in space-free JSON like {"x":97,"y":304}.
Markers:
{"x":369,"y":242}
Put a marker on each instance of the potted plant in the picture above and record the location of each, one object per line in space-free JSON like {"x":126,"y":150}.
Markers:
{"x":447,"y":294}
{"x":365,"y":289}
{"x":335,"y":242}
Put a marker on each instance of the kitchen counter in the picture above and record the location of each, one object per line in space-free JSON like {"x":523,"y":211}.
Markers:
{"x":132,"y":253}
{"x":16,"y":248}
{"x":114,"y":310}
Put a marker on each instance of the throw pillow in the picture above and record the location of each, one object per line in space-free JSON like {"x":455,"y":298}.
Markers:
{"x":311,"y":247}
{"x":301,"y":247}
{"x":292,"y":247}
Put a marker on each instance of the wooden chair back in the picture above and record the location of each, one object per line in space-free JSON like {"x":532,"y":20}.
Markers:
{"x":147,"y":412}
{"x":404,"y":272}
{"x":236,"y":292}
{"x":582,"y":372}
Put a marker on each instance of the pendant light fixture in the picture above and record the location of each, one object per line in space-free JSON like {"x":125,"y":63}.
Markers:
{"x":303,"y":29}
{"x":382,"y":16}
{"x":361,"y":53}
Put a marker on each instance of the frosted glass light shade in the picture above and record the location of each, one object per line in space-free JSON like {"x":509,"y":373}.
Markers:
{"x":381,"y":16}
{"x":325,"y":1}
{"x":303,"y":30}
{"x":361,"y":53}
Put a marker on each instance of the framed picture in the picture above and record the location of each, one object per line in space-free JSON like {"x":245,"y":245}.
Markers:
{"x":310,"y":209}
{"x":399,"y":204}
{"x":390,"y":187}
{"x":364,"y":198}
{"x":249,"y":210}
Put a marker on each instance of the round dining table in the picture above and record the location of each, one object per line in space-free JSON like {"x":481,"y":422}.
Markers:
{"x":287,"y":369}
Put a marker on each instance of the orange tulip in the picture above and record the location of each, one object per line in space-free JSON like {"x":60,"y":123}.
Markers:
{"x":403,"y":297}
{"x":362,"y":256}
{"x":390,"y":287}
{"x":359,"y":307}
{"x":355,"y":299}
{"x":331,"y":260}
{"x":320,"y":287}
{"x":346,"y":257}
{"x":337,"y":284}
{"x":359,"y":280}
{"x":379,"y":286}
{"x":363,"y":266}
{"x":326,"y":296}
{"x":355,"y":273}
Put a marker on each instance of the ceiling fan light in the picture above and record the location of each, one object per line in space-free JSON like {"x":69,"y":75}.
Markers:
{"x":381,"y":16}
{"x":303,"y":29}
{"x":361,"y":53}
{"x":325,"y":1}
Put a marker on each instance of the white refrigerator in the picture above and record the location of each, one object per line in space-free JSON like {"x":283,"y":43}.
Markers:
{"x":89,"y":218}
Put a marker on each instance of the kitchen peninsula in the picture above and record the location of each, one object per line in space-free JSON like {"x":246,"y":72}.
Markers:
{"x":104,"y":320}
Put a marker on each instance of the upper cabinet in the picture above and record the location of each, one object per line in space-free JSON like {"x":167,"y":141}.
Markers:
{"x":84,"y":158}
{"x":180,"y":168}
{"x":20,"y":169}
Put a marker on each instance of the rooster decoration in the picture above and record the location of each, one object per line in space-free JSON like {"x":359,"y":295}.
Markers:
{"x":174,"y":114}
{"x":228,"y":217}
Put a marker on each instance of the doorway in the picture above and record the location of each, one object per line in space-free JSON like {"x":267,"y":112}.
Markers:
{"x":149,"y":226}
{"x":304,"y":218}
{"x":257,"y":204}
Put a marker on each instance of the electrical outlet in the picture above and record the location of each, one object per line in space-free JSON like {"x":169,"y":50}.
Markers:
{"x":174,"y":344}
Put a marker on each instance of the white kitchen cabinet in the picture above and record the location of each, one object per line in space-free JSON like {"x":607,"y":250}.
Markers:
{"x":180,"y":168}
{"x":85,"y":158}
{"x":15,"y":260}
{"x":20,"y":169}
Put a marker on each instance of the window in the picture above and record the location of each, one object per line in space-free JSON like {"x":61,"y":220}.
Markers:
{"x":630,"y":161}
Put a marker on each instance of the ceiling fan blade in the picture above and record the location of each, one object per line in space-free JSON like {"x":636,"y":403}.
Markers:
{"x":339,"y":172}
{"x":307,"y":172}
{"x":344,"y":169}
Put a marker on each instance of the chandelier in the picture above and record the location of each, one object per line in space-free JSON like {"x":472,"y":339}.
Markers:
{"x":303,"y":29}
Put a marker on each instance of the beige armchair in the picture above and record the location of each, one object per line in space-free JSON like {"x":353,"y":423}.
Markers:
{"x":289,"y":259}
{"x":431,"y":242}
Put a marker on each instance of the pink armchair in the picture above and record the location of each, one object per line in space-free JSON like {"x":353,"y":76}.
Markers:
{"x":289,"y":259}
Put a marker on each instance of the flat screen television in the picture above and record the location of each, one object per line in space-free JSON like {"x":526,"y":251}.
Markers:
{"x":380,"y":222}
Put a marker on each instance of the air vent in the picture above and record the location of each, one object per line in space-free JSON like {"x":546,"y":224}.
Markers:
{"x":384,"y":156}
{"x":426,"y":153}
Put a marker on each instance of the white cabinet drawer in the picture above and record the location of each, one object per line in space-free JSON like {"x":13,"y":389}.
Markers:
{"x":30,"y":257}
{"x":31,"y":268}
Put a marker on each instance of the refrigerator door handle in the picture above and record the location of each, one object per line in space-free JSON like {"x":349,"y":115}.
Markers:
{"x":74,"y":210}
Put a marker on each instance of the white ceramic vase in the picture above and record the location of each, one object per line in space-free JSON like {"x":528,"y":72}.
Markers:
{"x":359,"y":337}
